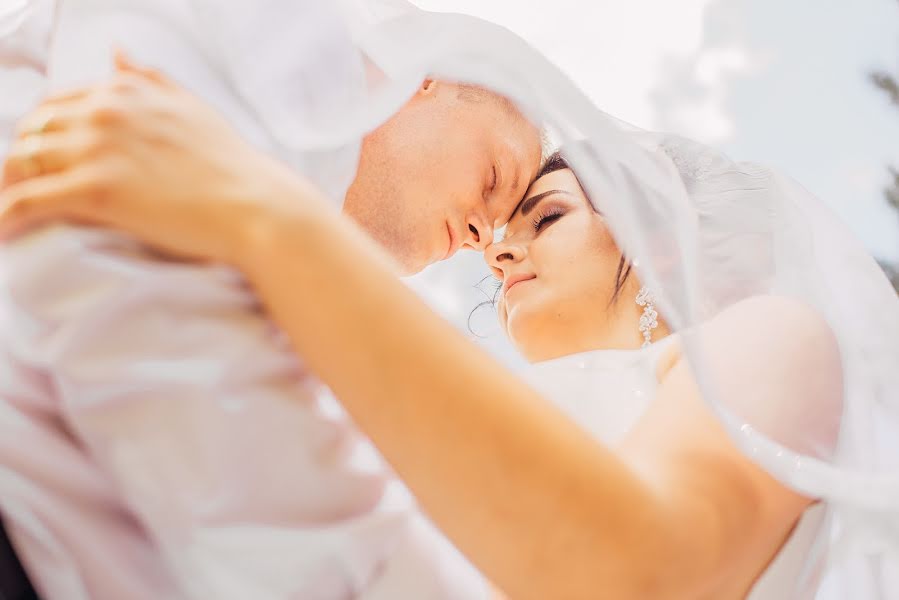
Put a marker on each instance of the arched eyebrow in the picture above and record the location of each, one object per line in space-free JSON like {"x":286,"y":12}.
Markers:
{"x":528,"y":205}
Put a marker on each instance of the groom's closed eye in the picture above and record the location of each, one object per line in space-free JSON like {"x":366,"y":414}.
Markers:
{"x":507,"y":192}
{"x":491,"y":181}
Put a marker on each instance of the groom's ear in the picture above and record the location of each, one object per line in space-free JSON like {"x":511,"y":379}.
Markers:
{"x":428,"y":86}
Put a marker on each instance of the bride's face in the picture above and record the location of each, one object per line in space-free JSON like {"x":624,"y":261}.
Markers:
{"x":559,"y":267}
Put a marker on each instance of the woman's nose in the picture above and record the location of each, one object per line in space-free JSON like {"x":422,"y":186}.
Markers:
{"x":501,"y":255}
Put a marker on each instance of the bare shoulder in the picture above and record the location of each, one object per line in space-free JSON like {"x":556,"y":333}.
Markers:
{"x":773,"y":363}
{"x":783,"y":326}
{"x":778,"y":362}
{"x":768,"y":327}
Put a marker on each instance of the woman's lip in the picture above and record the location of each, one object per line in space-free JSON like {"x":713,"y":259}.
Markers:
{"x":515,"y":280}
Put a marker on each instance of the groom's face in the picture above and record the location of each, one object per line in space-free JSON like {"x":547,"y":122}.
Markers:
{"x":442,"y":173}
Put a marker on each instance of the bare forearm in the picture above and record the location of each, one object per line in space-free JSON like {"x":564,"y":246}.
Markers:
{"x":515,"y":484}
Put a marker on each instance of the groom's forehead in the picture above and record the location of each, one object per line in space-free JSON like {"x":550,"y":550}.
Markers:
{"x":527,"y":148}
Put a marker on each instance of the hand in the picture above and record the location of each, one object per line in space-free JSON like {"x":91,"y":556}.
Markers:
{"x":144,"y":156}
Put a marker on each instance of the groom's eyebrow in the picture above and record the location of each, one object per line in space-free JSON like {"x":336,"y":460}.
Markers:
{"x":516,"y":178}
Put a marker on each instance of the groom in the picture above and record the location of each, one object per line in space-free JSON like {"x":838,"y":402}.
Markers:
{"x":157,"y":440}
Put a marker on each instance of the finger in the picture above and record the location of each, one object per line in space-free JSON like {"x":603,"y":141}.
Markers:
{"x":54,"y":112}
{"x":42,"y":155}
{"x":124,"y":64}
{"x":25,"y":226}
{"x":21,"y":162}
{"x":41,"y":120}
{"x":62,"y":196}
{"x":121,"y":60}
{"x":67,"y":96}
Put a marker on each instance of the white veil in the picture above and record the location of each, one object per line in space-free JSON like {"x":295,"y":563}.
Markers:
{"x":708,"y":232}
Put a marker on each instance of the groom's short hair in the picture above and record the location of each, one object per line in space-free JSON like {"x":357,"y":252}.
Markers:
{"x":470,"y":92}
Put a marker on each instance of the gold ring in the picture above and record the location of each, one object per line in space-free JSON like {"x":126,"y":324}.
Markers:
{"x":43,"y":126}
{"x":39,"y":128}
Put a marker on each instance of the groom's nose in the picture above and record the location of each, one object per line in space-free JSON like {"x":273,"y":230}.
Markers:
{"x":480,"y":233}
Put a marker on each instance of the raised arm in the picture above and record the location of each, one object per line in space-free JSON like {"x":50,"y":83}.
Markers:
{"x":519,"y":487}
{"x":538,"y":505}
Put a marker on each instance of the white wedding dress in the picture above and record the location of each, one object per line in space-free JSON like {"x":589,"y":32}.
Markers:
{"x":607,"y":391}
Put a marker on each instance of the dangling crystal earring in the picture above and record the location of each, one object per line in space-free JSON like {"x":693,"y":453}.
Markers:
{"x":649,"y":319}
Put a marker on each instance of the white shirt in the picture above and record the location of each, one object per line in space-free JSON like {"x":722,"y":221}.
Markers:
{"x":158,"y":439}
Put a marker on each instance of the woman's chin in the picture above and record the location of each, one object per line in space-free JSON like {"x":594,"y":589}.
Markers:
{"x":528,"y":332}
{"x":542,"y":331}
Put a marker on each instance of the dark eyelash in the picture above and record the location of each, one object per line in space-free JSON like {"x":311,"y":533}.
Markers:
{"x":551,"y":215}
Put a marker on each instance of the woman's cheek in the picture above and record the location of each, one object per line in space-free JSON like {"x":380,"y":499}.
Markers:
{"x":503,"y":314}
{"x":603,"y":235}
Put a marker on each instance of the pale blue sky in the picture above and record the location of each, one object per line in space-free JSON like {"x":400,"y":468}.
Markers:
{"x":781,"y":83}
{"x":811,"y":108}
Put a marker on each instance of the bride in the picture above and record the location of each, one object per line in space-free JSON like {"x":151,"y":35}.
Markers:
{"x":633,"y":481}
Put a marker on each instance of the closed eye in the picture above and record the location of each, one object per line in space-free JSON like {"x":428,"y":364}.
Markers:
{"x":545,"y":219}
